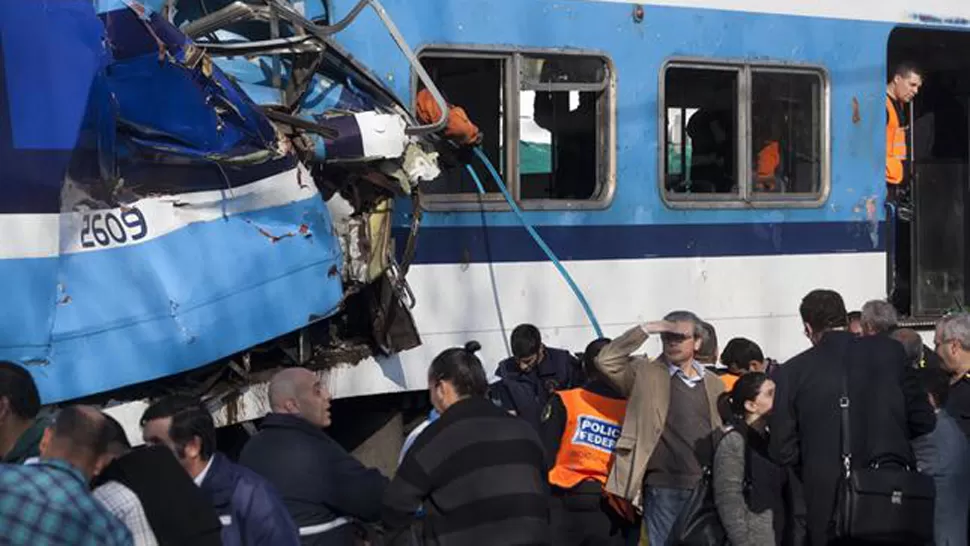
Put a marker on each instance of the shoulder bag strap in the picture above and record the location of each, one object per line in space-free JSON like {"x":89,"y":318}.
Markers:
{"x":746,"y":481}
{"x":844,"y":411}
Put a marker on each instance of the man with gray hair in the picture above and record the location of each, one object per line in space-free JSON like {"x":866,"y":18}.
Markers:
{"x":912,"y":344}
{"x":672,"y":411}
{"x":952,"y":340}
{"x":322,"y":486}
{"x":878,"y":317}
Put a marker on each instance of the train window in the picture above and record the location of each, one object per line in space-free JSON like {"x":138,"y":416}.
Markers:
{"x":701,"y":138}
{"x":562,"y":99}
{"x":741,"y":135}
{"x":477,"y":84}
{"x":554,"y":107}
{"x":786,"y":132}
{"x":546,"y":70}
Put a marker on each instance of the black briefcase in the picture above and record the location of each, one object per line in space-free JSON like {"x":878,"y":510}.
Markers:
{"x":887,"y":502}
{"x":887,"y":506}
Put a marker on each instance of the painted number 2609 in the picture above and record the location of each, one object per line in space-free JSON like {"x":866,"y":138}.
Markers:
{"x":105,"y":228}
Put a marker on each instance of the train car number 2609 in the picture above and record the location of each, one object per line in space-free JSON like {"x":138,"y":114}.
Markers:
{"x":106,"y":228}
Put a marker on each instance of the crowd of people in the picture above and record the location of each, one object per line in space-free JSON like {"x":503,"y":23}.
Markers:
{"x":607,"y":447}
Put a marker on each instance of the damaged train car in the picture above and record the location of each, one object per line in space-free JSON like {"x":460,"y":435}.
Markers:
{"x":196,"y":193}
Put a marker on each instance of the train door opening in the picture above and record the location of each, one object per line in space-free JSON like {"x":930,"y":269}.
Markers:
{"x":928,"y":265}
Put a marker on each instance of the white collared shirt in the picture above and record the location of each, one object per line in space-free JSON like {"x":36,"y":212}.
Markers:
{"x":201,"y":477}
{"x":689,"y":381}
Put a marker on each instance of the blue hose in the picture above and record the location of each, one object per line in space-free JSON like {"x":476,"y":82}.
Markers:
{"x":535,"y":236}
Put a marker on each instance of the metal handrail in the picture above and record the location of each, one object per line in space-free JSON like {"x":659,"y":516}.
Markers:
{"x":232,"y":13}
{"x":239,"y":11}
{"x":423,"y":75}
{"x":325,"y":31}
{"x":264,"y":47}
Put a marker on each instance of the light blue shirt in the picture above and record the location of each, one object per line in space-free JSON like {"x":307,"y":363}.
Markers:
{"x":689,"y":381}
{"x":409,"y":441}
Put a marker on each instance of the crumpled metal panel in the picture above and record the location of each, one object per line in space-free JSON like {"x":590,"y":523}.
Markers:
{"x":153,"y":220}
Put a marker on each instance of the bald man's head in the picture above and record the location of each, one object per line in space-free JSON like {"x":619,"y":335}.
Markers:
{"x":285,"y":386}
{"x":299,"y":391}
{"x":78,"y":435}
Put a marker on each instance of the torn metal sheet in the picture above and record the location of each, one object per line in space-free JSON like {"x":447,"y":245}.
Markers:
{"x":355,"y":136}
{"x":366,"y":136}
{"x":154,"y":219}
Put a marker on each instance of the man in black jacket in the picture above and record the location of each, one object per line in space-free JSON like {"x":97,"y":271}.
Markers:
{"x":952,"y":340}
{"x":322,"y":485}
{"x":149,"y":483}
{"x":889,"y":407}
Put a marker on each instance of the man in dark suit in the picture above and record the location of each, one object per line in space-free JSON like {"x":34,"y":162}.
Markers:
{"x":888,"y":407}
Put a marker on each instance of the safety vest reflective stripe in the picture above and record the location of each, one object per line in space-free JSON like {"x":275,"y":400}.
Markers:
{"x":593,"y":425}
{"x":895,"y":145}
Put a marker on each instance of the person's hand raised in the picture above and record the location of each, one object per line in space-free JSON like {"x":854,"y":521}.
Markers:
{"x":658,"y":327}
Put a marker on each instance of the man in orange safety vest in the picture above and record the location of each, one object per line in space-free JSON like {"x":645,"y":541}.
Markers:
{"x":900,"y":90}
{"x":579,"y":428}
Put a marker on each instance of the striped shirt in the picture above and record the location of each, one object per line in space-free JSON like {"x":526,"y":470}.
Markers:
{"x":481,"y":475}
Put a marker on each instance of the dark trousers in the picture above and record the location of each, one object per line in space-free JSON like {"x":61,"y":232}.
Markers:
{"x":901,"y":283}
{"x":585,"y":518}
{"x":796,"y":526}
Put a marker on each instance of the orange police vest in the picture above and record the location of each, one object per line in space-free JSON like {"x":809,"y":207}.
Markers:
{"x":593,"y":424}
{"x":895,"y":145}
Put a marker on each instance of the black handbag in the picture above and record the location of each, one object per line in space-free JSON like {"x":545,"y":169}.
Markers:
{"x":698,"y":523}
{"x":887,"y":502}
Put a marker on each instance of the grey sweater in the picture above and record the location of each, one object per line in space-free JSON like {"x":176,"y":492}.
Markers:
{"x":743,"y":527}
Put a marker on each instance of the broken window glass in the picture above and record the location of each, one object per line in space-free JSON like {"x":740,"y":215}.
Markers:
{"x":477,"y":84}
{"x":786,"y":132}
{"x":708,"y":119}
{"x":562,"y":100}
{"x":550,"y":70}
{"x":561,"y":134}
{"x":701,"y":140}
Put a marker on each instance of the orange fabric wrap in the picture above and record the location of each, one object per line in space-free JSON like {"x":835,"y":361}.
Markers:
{"x":459,"y":127}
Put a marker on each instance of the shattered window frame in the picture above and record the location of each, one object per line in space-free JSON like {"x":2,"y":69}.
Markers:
{"x":513,"y":85}
{"x":745,"y":197}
